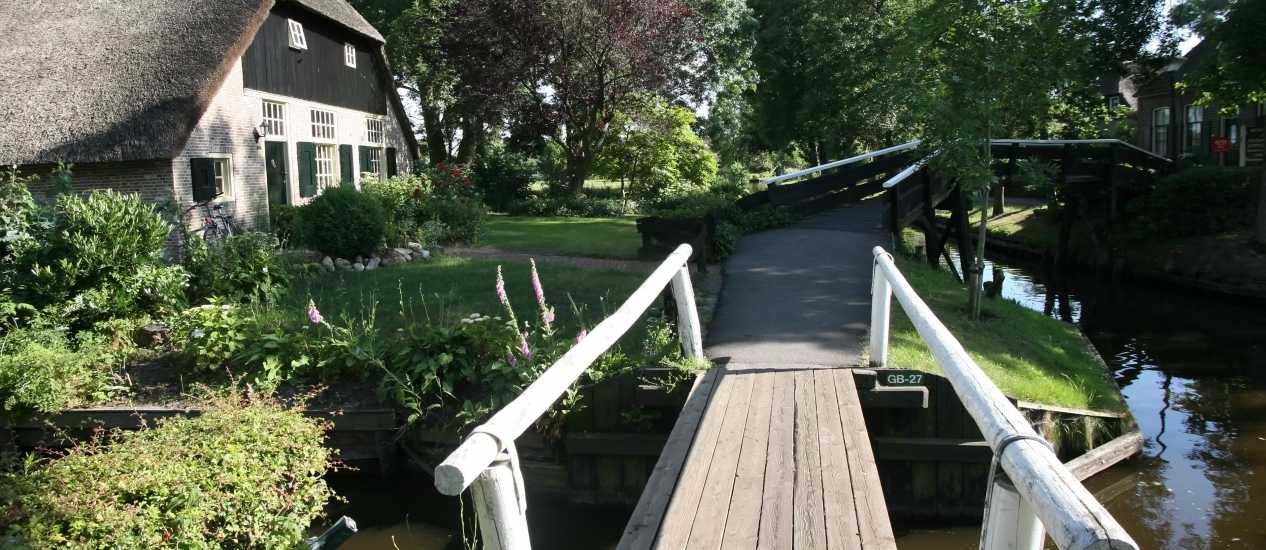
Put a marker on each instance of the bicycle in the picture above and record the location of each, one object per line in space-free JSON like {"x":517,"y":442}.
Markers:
{"x":216,"y":224}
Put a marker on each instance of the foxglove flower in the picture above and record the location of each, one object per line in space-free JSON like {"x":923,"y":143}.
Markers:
{"x":547,"y":317}
{"x":501,"y":289}
{"x":314,"y":315}
{"x":582,"y":335}
{"x":536,"y":283}
{"x":512,"y":360}
{"x":524,"y":350}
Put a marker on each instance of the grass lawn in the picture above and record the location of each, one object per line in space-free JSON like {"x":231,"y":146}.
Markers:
{"x":592,"y":237}
{"x":1029,"y":356}
{"x":446,"y":288}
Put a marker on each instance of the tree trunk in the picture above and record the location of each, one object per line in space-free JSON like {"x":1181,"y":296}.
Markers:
{"x":978,"y":267}
{"x":1259,"y":229}
{"x":578,"y":168}
{"x":435,"y":150}
{"x":999,"y":200}
{"x":472,"y":134}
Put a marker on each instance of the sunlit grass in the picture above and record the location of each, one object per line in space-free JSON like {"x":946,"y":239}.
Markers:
{"x":1029,"y":356}
{"x":564,"y":236}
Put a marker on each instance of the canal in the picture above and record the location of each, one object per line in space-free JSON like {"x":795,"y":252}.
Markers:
{"x":1192,"y":368}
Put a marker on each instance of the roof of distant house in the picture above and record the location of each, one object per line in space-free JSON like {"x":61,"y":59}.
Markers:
{"x":101,"y":80}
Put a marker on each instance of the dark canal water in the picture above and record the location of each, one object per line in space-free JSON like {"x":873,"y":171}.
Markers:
{"x":1192,"y":368}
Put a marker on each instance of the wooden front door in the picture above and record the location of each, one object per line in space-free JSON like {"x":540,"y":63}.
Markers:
{"x":276,"y":171}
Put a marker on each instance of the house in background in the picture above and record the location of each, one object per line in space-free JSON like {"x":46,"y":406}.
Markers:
{"x":1169,"y":122}
{"x":250,"y":103}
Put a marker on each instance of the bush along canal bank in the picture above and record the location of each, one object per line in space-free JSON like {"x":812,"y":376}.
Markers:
{"x":1191,"y":371}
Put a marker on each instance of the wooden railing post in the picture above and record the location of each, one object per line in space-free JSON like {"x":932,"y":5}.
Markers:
{"x":880,"y":315}
{"x":687,"y":314}
{"x":1010,"y":522}
{"x":500,"y":507}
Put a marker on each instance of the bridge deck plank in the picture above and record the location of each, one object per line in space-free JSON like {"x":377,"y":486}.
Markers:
{"x":780,"y":459}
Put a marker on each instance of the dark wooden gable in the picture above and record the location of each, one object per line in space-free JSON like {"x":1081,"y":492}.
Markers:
{"x":317,"y":73}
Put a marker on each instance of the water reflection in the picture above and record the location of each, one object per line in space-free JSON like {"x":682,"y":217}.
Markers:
{"x":1192,"y":370}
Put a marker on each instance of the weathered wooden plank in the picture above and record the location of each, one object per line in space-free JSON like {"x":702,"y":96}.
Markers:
{"x":644,"y":523}
{"x":872,"y":513}
{"x":675,"y":529}
{"x":775,"y":510}
{"x":743,"y":523}
{"x":1105,"y":456}
{"x":840,"y":513}
{"x":941,"y":449}
{"x":625,"y":444}
{"x":709,"y":520}
{"x":809,"y":525}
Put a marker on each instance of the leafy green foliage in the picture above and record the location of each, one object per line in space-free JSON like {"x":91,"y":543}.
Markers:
{"x":581,"y":205}
{"x":211,"y":335}
{"x":241,"y":267}
{"x":462,"y":217}
{"x":401,"y":198}
{"x":503,"y":177}
{"x":43,"y":370}
{"x":243,"y":475}
{"x":284,"y":221}
{"x":1233,"y":74}
{"x":1202,"y":200}
{"x":344,"y":223}
{"x":657,"y":150}
{"x":101,"y":259}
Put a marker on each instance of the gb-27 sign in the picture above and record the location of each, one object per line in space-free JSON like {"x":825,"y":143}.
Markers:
{"x":900,"y":377}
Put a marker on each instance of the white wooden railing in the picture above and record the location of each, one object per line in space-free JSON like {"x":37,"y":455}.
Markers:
{"x":843,"y":162}
{"x":486,"y":460}
{"x":1038,"y":493}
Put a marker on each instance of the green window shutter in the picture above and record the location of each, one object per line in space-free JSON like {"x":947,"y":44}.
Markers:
{"x":391,"y":161}
{"x":307,"y":169}
{"x":203,"y":177}
{"x":364,"y":158}
{"x":347,"y":171}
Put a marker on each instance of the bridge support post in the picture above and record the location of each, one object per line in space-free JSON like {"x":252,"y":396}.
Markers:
{"x":1010,"y":522}
{"x":500,"y":507}
{"x":688,"y":328}
{"x":880,"y":313}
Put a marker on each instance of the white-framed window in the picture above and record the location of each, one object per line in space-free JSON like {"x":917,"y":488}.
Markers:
{"x":375,"y":161}
{"x":274,"y":118}
{"x":223,"y":179}
{"x":1160,"y":131}
{"x":349,"y":55}
{"x":1192,"y":138}
{"x":373,"y":130}
{"x":322,"y":124}
{"x":297,"y":40}
{"x":325,"y":165}
{"x":1113,"y":103}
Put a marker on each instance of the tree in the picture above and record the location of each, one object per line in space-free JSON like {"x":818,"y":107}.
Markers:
{"x":974,"y":70}
{"x":571,"y":65}
{"x":655,"y":148}
{"x":1235,"y":73}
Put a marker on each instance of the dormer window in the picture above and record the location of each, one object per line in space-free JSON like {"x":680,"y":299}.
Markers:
{"x":349,"y":55}
{"x":297,"y":40}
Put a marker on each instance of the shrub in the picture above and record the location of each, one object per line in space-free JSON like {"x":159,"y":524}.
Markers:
{"x":285,"y":224}
{"x":242,"y":475}
{"x":20,"y":220}
{"x":210,"y":335}
{"x":462,"y":216}
{"x":584,"y":205}
{"x":42,"y":370}
{"x":1202,"y":200}
{"x":101,"y":260}
{"x":503,"y":177}
{"x":344,"y":223}
{"x":242,"y":267}
{"x":401,"y":197}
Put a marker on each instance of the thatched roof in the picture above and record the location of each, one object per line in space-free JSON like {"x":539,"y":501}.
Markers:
{"x":111,"y":80}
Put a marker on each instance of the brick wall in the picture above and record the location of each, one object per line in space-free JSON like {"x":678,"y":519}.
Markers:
{"x":395,"y":138}
{"x":227,"y":128}
{"x":151,"y":179}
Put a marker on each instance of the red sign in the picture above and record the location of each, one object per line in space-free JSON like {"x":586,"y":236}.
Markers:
{"x":1220,"y":144}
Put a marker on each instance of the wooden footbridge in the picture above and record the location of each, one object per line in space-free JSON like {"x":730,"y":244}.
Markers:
{"x":772,"y":452}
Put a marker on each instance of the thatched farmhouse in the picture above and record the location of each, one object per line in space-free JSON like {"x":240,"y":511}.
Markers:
{"x":250,"y":102}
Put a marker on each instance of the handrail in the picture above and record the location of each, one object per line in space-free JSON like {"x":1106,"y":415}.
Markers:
{"x":487,"y":455}
{"x":1040,"y":484}
{"x":844,"y":162}
{"x":1054,"y":142}
{"x":907,"y":172}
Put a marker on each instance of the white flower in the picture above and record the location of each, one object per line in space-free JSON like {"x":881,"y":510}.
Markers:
{"x":265,"y":269}
{"x":197,"y":333}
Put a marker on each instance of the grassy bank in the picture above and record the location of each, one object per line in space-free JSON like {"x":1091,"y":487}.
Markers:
{"x":1029,"y":356}
{"x":564,"y":236}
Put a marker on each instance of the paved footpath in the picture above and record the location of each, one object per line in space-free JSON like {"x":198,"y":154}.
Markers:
{"x":800,"y":295}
